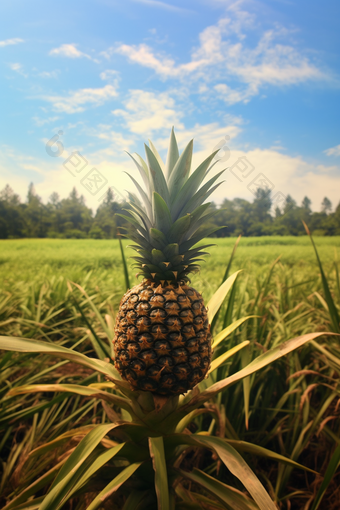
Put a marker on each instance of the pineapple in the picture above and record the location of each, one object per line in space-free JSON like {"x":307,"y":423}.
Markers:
{"x":162,"y":337}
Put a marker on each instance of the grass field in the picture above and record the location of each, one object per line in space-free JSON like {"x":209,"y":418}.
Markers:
{"x":292,"y":407}
{"x":99,"y":261}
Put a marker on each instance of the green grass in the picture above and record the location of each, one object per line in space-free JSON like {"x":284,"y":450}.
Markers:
{"x":278,"y":403}
{"x":37,"y":259}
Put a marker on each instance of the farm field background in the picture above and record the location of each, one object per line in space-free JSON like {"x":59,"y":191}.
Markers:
{"x":286,"y":407}
{"x":99,"y":261}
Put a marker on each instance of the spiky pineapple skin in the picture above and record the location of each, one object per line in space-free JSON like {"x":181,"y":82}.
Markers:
{"x":162,"y":338}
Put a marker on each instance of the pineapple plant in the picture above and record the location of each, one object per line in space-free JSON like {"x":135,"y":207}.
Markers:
{"x":162,"y":340}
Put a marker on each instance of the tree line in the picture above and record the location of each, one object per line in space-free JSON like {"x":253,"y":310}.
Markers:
{"x":71,"y":218}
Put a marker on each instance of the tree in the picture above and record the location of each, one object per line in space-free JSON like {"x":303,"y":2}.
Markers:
{"x":306,"y":203}
{"x":326,"y":205}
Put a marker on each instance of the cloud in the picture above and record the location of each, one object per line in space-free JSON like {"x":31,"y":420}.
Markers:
{"x":49,"y":74}
{"x":78,"y":100}
{"x":70,"y":51}
{"x":111,"y":76}
{"x":9,"y":42}
{"x":146,"y":112}
{"x":49,"y":175}
{"x":18,"y":69}
{"x":232,"y":52}
{"x":41,"y":122}
{"x":333,"y":151}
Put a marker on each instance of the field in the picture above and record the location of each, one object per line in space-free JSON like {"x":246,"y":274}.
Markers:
{"x":291,"y":407}
{"x":99,"y":261}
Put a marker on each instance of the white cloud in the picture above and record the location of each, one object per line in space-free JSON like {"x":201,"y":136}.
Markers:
{"x":9,"y":42}
{"x":111,"y":76}
{"x":49,"y":74}
{"x":146,"y":112}
{"x":18,"y":68}
{"x":77,"y":100}
{"x":49,"y":175}
{"x":226,"y":54}
{"x":41,"y":122}
{"x":333,"y":151}
{"x":70,"y":51}
{"x":289,"y":175}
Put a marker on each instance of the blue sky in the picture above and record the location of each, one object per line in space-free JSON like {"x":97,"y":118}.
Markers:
{"x":261,"y":78}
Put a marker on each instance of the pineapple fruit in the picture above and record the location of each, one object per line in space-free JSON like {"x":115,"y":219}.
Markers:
{"x":162,"y":337}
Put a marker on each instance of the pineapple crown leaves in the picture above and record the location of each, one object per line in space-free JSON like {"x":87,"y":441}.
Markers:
{"x":170,"y":216}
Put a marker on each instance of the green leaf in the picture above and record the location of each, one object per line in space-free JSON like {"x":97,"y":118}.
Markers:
{"x":179,"y":228}
{"x":158,"y":239}
{"x":100,"y":461}
{"x":200,"y":196}
{"x":191,"y":186}
{"x":180,"y":171}
{"x":219,"y":296}
{"x":142,"y":194}
{"x":138,"y":500}
{"x":226,"y":355}
{"x":113,"y":486}
{"x":333,"y":312}
{"x":233,"y":498}
{"x":260,"y":362}
{"x":17,"y":344}
{"x":126,"y":271}
{"x":157,"y":177}
{"x":161,"y":214}
{"x":172,"y":156}
{"x":236,"y":465}
{"x":161,"y":476}
{"x":85,"y":391}
{"x":243,"y":446}
{"x":171,"y":250}
{"x":143,"y":170}
{"x":68,"y":473}
{"x":157,"y":156}
{"x":229,"y":329}
{"x":330,"y":472}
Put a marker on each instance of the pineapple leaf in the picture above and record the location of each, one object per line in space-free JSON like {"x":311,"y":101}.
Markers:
{"x":172,"y":156}
{"x":113,"y":485}
{"x":157,"y":454}
{"x":191,"y":185}
{"x":143,"y":172}
{"x":198,"y":237}
{"x":199,"y":223}
{"x":201,"y":195}
{"x":161,"y":213}
{"x":179,"y":228}
{"x":157,"y":177}
{"x":171,"y":250}
{"x":157,"y":237}
{"x":142,"y":194}
{"x":181,"y":171}
{"x":157,"y":256}
{"x":157,"y":156}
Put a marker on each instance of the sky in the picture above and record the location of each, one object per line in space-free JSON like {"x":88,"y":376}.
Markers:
{"x":84,"y":82}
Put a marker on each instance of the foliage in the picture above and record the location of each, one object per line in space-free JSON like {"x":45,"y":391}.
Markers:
{"x":71,"y":218}
{"x":290,"y":407}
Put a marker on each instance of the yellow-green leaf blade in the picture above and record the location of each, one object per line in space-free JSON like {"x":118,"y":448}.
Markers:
{"x":219,"y":296}
{"x":156,"y":446}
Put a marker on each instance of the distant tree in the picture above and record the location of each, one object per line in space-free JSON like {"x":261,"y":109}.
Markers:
{"x":326,"y":205}
{"x":306,"y":203}
{"x":12,"y":222}
{"x":8,"y":195}
{"x":54,"y":199}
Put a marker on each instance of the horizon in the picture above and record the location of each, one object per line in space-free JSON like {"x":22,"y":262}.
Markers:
{"x":259,"y":79}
